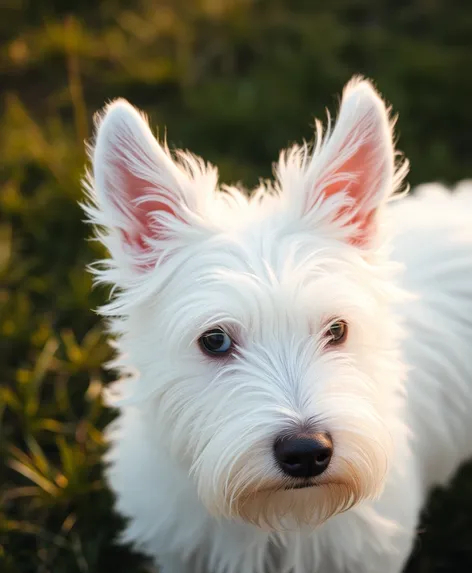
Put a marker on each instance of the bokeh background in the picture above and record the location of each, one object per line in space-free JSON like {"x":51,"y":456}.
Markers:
{"x":234,"y":81}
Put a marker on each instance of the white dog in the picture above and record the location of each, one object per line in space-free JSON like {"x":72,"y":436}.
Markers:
{"x":296,"y":367}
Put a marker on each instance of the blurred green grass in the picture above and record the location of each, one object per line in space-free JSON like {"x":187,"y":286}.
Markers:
{"x":234,"y":81}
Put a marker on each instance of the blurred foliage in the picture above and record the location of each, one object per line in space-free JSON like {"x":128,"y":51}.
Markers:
{"x":233,"y":80}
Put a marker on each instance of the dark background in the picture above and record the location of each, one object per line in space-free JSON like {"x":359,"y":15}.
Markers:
{"x":234,"y":81}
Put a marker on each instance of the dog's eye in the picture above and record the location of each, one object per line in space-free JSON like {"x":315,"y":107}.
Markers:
{"x":337,"y":332}
{"x":216,"y":342}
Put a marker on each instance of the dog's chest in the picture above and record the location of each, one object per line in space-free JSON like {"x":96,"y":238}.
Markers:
{"x":356,"y":542}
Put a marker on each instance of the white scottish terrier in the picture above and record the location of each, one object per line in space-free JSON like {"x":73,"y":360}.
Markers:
{"x":296,"y":367}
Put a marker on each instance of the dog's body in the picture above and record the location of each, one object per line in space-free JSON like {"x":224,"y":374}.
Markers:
{"x":192,"y":452}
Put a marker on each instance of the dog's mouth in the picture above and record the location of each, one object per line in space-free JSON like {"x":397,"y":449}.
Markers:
{"x":302,"y":485}
{"x":295,"y":485}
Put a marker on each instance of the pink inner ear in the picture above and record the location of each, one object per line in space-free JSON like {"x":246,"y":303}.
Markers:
{"x":362,"y":165}
{"x":127,"y":200}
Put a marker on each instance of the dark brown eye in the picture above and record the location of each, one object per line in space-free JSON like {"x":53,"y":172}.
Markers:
{"x":216,"y":342}
{"x":337,"y":332}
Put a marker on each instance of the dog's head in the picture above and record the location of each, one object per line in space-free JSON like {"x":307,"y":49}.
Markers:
{"x":261,"y":328}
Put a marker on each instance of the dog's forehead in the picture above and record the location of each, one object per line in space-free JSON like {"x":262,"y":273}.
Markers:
{"x":278,"y":256}
{"x":275,"y":271}
{"x":268,"y":276}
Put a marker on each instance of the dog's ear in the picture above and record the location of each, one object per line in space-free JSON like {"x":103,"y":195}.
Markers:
{"x":139,"y":194}
{"x":353,"y":170}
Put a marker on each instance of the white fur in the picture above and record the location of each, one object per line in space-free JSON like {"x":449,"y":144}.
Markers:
{"x":191,"y":459}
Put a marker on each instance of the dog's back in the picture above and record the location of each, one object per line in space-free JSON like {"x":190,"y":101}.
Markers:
{"x":434,"y":241}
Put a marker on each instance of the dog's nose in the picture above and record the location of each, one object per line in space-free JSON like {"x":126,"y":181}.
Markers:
{"x":304,"y":457}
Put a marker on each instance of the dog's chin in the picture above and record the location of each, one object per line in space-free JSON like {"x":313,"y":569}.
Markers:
{"x":288,"y":506}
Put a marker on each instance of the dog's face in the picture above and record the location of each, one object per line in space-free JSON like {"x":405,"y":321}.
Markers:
{"x":261,"y":328}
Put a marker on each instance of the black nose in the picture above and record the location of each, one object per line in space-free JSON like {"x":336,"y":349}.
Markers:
{"x":304,"y":457}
